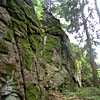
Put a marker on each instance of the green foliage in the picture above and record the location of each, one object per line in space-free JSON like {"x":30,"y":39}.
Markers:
{"x":75,"y":51}
{"x":38,"y":8}
{"x":85,"y":66}
{"x":82,"y":63}
{"x":89,"y":93}
{"x":3,"y":48}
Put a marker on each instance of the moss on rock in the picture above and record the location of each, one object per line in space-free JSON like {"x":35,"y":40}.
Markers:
{"x":33,"y":29}
{"x":56,"y":30}
{"x":10,"y":68}
{"x":15,"y":11}
{"x":19,"y":25}
{"x":28,"y":10}
{"x":27,"y":56}
{"x":36,"y":41}
{"x":9,"y":35}
{"x":27,"y":53}
{"x":52,"y":43}
{"x":3,"y":48}
{"x":32,"y":93}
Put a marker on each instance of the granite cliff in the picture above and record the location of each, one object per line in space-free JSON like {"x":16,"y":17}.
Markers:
{"x":35,"y":56}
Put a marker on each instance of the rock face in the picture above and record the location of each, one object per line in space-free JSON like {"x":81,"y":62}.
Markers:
{"x":33,"y":59}
{"x":4,"y":3}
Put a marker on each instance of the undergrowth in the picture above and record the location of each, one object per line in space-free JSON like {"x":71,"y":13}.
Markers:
{"x":88,"y":93}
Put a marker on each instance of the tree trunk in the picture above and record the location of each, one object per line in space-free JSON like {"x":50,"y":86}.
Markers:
{"x":97,"y":9}
{"x":91,"y":56}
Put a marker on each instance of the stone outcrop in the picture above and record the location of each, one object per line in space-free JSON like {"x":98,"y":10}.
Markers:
{"x":33,"y":59}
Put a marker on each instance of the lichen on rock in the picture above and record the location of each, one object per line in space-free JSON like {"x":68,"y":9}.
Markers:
{"x":7,"y":91}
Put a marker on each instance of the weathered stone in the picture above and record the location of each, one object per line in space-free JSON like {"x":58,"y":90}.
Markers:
{"x":4,"y":16}
{"x":18,"y":33}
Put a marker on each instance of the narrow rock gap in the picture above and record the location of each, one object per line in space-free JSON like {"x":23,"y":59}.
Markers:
{"x":21,"y":65}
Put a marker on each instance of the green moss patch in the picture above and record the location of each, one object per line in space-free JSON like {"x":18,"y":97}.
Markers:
{"x":27,"y":56}
{"x":33,"y":29}
{"x":3,"y":48}
{"x":23,"y":18}
{"x":36,"y":41}
{"x":28,"y":10}
{"x":18,"y":18}
{"x":27,"y":53}
{"x":15,"y":11}
{"x":10,"y":68}
{"x":9,"y":35}
{"x":32,"y":93}
{"x":56,"y":30}
{"x":52,"y":43}
{"x":19,"y":25}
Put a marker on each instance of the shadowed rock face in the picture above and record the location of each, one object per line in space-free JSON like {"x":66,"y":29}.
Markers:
{"x":3,"y":3}
{"x":32,"y":60}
